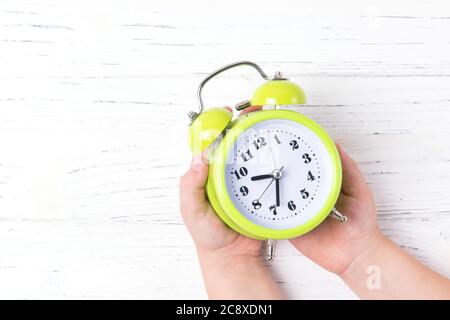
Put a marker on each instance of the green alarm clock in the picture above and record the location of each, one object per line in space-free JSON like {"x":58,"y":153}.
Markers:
{"x":273,"y":173}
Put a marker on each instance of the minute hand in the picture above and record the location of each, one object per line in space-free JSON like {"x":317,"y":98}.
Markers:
{"x":277,"y":192}
{"x":261,"y":177}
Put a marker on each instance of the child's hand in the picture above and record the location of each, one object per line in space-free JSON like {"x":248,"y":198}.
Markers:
{"x":372,"y":265}
{"x":230,"y":263}
{"x":210,"y":234}
{"x":334,"y":245}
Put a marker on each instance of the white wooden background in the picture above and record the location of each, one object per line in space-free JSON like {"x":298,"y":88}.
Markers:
{"x":93,"y":104}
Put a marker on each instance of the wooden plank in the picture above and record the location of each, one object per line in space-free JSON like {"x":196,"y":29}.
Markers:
{"x":93,"y":106}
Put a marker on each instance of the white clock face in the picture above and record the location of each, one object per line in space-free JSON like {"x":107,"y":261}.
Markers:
{"x":279,"y":174}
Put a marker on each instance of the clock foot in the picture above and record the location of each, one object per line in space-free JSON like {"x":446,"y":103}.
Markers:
{"x":337,"y":215}
{"x":270,"y":249}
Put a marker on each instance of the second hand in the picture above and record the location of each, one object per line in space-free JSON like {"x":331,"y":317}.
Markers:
{"x":271,"y":181}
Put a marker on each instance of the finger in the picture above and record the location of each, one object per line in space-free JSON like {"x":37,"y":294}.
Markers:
{"x":193,"y":203}
{"x":353,"y":182}
{"x":229,"y":109}
{"x":250,"y":109}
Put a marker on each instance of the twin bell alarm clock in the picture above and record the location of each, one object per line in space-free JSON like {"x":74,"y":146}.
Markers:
{"x":273,"y":173}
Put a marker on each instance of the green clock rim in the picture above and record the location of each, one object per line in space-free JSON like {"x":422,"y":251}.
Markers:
{"x":218,"y":167}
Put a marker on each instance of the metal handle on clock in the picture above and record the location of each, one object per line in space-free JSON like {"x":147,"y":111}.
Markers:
{"x":192,"y":115}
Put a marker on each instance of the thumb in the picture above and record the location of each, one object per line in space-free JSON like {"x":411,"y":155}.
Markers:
{"x":193,"y":203}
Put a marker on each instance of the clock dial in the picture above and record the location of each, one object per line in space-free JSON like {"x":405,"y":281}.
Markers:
{"x":278,"y":174}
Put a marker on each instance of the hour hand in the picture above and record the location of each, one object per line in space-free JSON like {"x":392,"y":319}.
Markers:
{"x":261,"y":177}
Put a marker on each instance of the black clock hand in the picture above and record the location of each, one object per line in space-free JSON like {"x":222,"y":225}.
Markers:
{"x":261,"y":177}
{"x":270,"y":183}
{"x":277,"y":174}
{"x":277,"y":191}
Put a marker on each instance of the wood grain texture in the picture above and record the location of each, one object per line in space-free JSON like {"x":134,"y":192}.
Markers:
{"x":93,"y":104}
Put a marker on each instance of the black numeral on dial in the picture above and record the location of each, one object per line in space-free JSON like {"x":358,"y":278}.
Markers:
{"x":291,"y":205}
{"x":244,"y":190}
{"x":247,"y":155}
{"x":256,"y":204}
{"x":276,"y":139}
{"x":273,"y":209}
{"x":241,"y":173}
{"x":259,"y":143}
{"x":294,"y":144}
{"x":307,"y":158}
{"x":304,"y":193}
{"x":310,"y":176}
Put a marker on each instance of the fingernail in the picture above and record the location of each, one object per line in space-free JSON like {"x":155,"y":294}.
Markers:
{"x":197,"y":162}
